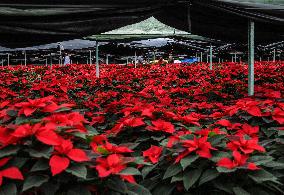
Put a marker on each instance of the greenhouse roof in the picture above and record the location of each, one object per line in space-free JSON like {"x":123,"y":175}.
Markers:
{"x":37,"y":22}
{"x":150,"y":28}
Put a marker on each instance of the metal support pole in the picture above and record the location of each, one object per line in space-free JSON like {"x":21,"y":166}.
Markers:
{"x":201,"y":56}
{"x":232,"y":58}
{"x":60,"y":58}
{"x":107,"y":59}
{"x":274,"y":55}
{"x":50,"y":61}
{"x":211,"y":58}
{"x":135,"y":59}
{"x":25,"y":58}
{"x":235,"y":57}
{"x":2,"y":62}
{"x":207,"y":60}
{"x":219,"y":60}
{"x":251,"y":58}
{"x":91,"y":58}
{"x":97,"y":60}
{"x":154,"y":56}
{"x":127,"y":61}
{"x":8,"y":59}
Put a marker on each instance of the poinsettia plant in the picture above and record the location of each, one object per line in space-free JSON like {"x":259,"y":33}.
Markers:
{"x":171,"y":129}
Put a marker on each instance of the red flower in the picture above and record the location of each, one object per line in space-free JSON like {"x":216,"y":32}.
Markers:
{"x":6,"y":137}
{"x":247,"y":105}
{"x":113,"y":165}
{"x":29,"y":107}
{"x":11,"y":172}
{"x":193,"y":118}
{"x":224,"y":123}
{"x":60,"y":160}
{"x":161,"y":125}
{"x":228,"y":124}
{"x":74,"y":120}
{"x":278,"y":115}
{"x":134,"y":122}
{"x":248,"y":130}
{"x":153,"y":153}
{"x":200,"y":145}
{"x":217,"y":115}
{"x":44,"y":135}
{"x":148,"y":111}
{"x":246,"y":146}
{"x":108,"y":148}
{"x":239,"y":161}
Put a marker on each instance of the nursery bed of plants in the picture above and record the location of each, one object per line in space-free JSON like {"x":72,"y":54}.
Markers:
{"x":157,"y":129}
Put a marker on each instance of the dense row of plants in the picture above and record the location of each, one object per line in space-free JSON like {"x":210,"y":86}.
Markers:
{"x":160,"y":129}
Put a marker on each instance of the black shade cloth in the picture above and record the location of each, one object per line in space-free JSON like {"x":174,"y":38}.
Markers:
{"x":33,"y":22}
{"x":228,"y":19}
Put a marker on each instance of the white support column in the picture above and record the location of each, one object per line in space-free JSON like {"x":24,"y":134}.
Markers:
{"x":2,"y":62}
{"x":91,"y":58}
{"x":274,"y":55}
{"x":211,"y":58}
{"x":46,"y":61}
{"x":219,"y":60}
{"x":8,"y":63}
{"x":127,"y":62}
{"x":232,"y":58}
{"x":135,"y":60}
{"x":235,"y":57}
{"x":60,"y":57}
{"x":201,"y":57}
{"x":207,"y":60}
{"x":25,"y":58}
{"x":50,"y":61}
{"x":251,"y":58}
{"x":107,"y":59}
{"x":97,"y":60}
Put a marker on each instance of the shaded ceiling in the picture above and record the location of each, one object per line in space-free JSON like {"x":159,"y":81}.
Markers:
{"x":36,"y":22}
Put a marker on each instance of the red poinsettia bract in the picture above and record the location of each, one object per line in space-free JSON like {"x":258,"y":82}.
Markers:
{"x":43,"y":134}
{"x":62,"y":155}
{"x":238,"y":161}
{"x":161,"y":125}
{"x":246,"y":146}
{"x":113,"y":165}
{"x":11,"y":172}
{"x":153,"y":154}
{"x":200,"y":145}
